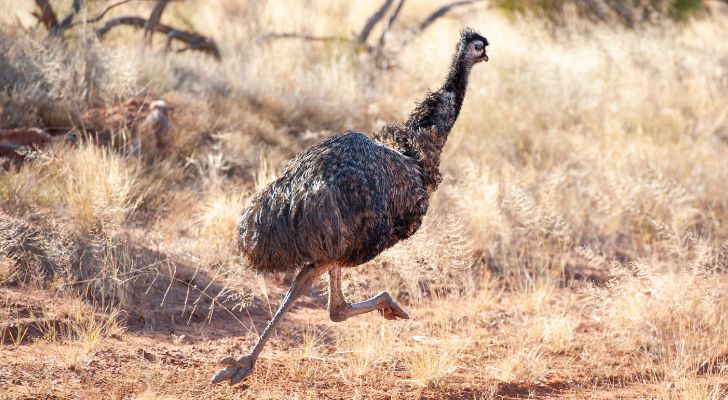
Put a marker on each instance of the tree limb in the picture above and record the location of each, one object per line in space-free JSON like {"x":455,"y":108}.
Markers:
{"x":289,"y":35}
{"x":103,"y":13}
{"x":154,"y":18}
{"x":392,"y":18}
{"x":373,"y":21}
{"x":66,"y":22}
{"x":193,"y":40}
{"x":46,"y":15}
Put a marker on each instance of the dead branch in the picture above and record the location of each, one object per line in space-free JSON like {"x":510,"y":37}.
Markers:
{"x":274,"y":36}
{"x":154,"y":18}
{"x":361,"y":39}
{"x":46,"y":15}
{"x":372,"y":21}
{"x":103,"y":13}
{"x":66,"y":22}
{"x":444,"y":10}
{"x":24,"y":136}
{"x":49,"y":19}
{"x":194,"y":41}
{"x":392,"y":18}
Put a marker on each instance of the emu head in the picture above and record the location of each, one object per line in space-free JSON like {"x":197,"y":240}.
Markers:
{"x":472,"y":46}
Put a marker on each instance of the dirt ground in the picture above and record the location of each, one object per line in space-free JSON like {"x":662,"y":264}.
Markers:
{"x":175,"y":359}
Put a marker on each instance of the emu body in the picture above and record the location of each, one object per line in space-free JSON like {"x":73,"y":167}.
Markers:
{"x":343,"y":201}
{"x":340,"y":202}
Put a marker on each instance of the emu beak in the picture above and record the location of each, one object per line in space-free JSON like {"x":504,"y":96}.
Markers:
{"x":484,"y":57}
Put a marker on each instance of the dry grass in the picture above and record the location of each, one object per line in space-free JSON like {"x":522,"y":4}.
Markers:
{"x":8,"y":271}
{"x":587,"y":153}
{"x":74,"y":343}
{"x":95,"y":188}
{"x":524,"y":363}
{"x":312,"y":342}
{"x":216,"y":221}
{"x":430,"y":364}
{"x":367,"y":346}
{"x":676,"y":320}
{"x":99,"y":190}
{"x":692,"y":390}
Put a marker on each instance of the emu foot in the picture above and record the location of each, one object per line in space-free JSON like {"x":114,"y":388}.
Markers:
{"x":235,"y":369}
{"x":392,"y":311}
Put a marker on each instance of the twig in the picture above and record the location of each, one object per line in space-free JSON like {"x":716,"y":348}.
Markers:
{"x":373,"y":21}
{"x":444,"y":10}
{"x":103,"y":13}
{"x":289,"y":35}
{"x":194,"y":40}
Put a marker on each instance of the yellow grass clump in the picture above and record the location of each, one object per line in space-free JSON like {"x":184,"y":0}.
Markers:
{"x":677,"y":320}
{"x":429,"y":364}
{"x":99,"y":188}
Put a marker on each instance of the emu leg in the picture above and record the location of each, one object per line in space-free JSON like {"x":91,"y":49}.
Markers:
{"x":237,"y":369}
{"x":340,"y":310}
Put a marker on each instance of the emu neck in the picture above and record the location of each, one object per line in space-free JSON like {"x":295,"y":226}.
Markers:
{"x":457,"y":83}
{"x":431,"y":121}
{"x":440,"y":109}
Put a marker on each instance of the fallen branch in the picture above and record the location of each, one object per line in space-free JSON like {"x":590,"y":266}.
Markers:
{"x":194,"y":41}
{"x":24,"y":136}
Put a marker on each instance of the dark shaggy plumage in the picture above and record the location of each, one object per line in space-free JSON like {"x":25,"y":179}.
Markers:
{"x":345,"y":200}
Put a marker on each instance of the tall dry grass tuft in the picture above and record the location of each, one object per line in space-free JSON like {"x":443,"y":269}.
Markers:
{"x":45,"y":83}
{"x":81,"y":336}
{"x":216,"y":222}
{"x":312,"y":342}
{"x":99,"y":188}
{"x":692,"y":390}
{"x":366,"y":346}
{"x":430,"y":364}
{"x":525,"y":362}
{"x":676,"y":320}
{"x":95,"y":188}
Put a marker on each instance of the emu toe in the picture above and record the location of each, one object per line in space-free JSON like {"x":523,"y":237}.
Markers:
{"x":236,"y":369}
{"x":393,"y":311}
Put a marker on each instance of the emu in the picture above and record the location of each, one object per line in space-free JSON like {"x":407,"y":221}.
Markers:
{"x":341,"y":202}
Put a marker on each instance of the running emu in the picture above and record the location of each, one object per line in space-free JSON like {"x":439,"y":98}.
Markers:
{"x":343,"y":201}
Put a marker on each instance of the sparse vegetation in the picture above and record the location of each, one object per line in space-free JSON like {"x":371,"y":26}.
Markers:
{"x":575,"y":248}
{"x":430,"y":364}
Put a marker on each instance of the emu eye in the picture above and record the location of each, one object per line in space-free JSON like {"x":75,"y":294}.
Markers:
{"x":478,"y":46}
